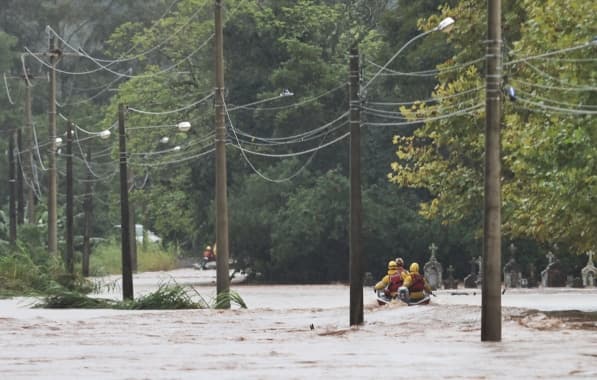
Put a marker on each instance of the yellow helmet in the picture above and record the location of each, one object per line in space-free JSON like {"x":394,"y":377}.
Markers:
{"x":208,"y":248}
{"x":392,"y":265}
{"x":414,"y":268}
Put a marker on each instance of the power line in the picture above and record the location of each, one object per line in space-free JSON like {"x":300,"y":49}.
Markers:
{"x":552,"y":78}
{"x":579,"y":105}
{"x":555,"y":52}
{"x":297,"y":104}
{"x":548,"y":87}
{"x":425,"y":73}
{"x":557,"y":109}
{"x":7,"y":90}
{"x":297,"y":137}
{"x":156,"y":46}
{"x":425,"y":120}
{"x":287,"y":178}
{"x":153,"y":74}
{"x":88,"y":99}
{"x":172,"y":111}
{"x":429,"y":100}
{"x":296,"y":141}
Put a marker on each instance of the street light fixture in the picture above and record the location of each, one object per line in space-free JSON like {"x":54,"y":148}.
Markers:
{"x":105,"y":134}
{"x":445,"y":25}
{"x":183,"y":126}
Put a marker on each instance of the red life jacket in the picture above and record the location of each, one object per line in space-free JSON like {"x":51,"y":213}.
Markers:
{"x":395,"y":282}
{"x":418,"y":283}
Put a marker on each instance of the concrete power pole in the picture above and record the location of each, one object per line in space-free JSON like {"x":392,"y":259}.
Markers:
{"x":127,"y":271}
{"x":356,"y":246}
{"x":52,"y":204}
{"x":491,"y":304}
{"x":222,"y":272}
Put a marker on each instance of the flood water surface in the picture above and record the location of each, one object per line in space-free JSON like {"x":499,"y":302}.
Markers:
{"x":300,"y":332}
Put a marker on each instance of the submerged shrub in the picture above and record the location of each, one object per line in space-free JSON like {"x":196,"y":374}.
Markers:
{"x":166,"y":297}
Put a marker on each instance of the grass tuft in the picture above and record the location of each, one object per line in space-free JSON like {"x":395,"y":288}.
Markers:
{"x":167,"y":297}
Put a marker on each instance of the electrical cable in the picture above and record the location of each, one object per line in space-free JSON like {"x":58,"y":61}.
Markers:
{"x":564,"y":50}
{"x":88,"y":99}
{"x":106,"y":68}
{"x":425,"y":73}
{"x":557,"y":109}
{"x":552,"y":78}
{"x":297,"y":137}
{"x":429,"y":100}
{"x":153,"y":74}
{"x":581,"y":106}
{"x":396,"y":55}
{"x":398,"y":115}
{"x":7,"y":90}
{"x":172,"y":111}
{"x":37,"y":146}
{"x":120,"y":60}
{"x":300,"y":103}
{"x":260,"y":174}
{"x":547,"y":87}
{"x":425,"y":120}
{"x":301,"y":140}
{"x":163,"y":163}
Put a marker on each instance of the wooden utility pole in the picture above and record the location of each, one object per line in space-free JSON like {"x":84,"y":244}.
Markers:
{"x":88,"y":211}
{"x":12,"y":183}
{"x":52,"y":183}
{"x":70,"y":249}
{"x":127,"y":272}
{"x":491,"y":303}
{"x":356,"y":246}
{"x":222,"y":271}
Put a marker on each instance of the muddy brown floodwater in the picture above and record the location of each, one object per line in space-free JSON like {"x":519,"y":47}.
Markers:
{"x":302,"y":332}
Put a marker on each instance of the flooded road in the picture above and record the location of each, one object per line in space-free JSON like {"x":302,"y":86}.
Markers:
{"x":301,"y":332}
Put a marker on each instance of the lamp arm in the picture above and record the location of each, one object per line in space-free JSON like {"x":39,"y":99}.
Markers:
{"x":397,"y":54}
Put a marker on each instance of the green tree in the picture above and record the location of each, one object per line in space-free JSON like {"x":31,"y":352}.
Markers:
{"x":547,"y":141}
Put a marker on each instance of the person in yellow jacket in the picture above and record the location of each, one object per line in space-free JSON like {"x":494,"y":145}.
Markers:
{"x":391,"y":281}
{"x":416,"y":284}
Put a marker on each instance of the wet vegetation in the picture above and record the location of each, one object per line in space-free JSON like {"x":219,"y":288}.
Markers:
{"x":169,"y":296}
{"x":26,"y":269}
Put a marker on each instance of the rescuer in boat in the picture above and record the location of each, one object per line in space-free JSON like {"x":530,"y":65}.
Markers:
{"x":393,"y":279}
{"x":415,"y":287}
{"x":209,"y":254}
